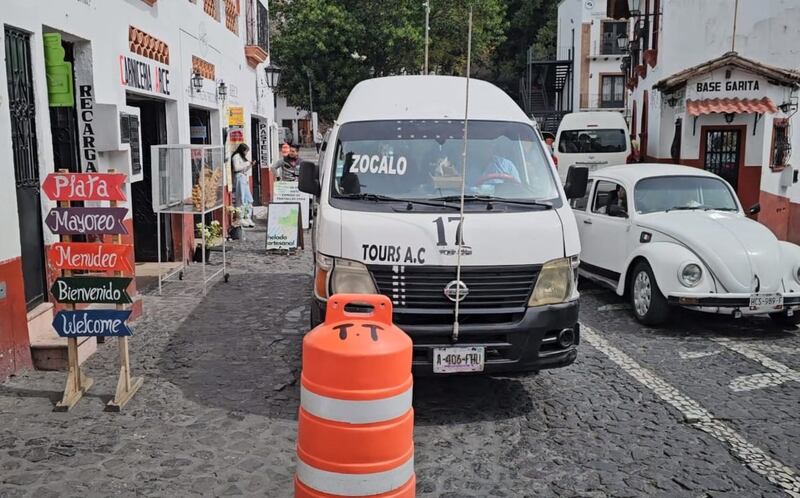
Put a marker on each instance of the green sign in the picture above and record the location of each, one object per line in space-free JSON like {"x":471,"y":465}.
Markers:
{"x":60,"y":88}
{"x":106,"y":290}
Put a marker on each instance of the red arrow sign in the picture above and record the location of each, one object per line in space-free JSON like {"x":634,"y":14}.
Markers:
{"x":90,"y":256}
{"x":84,"y":186}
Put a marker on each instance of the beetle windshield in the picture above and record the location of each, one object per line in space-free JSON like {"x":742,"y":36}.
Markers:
{"x":667,"y":193}
{"x":422,"y":160}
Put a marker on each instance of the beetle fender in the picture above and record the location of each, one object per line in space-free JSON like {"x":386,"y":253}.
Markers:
{"x":790,"y":264}
{"x":666,"y":259}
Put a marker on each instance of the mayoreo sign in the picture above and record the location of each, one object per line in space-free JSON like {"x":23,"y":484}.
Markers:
{"x":86,"y":221}
{"x":92,"y":323}
{"x":104,"y":290}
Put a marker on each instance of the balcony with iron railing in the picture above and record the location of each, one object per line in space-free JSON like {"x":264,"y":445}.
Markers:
{"x":256,"y":48}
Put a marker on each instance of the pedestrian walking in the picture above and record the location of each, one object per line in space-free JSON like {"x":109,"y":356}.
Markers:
{"x":284,"y":168}
{"x":243,"y":197}
{"x":317,"y":140}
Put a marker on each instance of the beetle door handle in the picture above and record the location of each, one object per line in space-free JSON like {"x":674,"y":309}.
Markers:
{"x":587,"y":222}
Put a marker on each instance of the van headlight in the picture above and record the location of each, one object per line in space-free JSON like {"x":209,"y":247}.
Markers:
{"x":554,"y":284}
{"x":690,"y":275}
{"x":351,"y":277}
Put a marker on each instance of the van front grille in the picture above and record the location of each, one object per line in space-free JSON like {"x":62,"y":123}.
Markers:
{"x":490,"y":287}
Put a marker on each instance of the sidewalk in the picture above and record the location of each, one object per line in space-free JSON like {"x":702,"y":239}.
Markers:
{"x":216,"y":414}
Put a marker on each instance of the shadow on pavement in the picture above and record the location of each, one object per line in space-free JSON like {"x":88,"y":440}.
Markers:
{"x":464,"y":399}
{"x":685,"y":322}
{"x":240,"y":348}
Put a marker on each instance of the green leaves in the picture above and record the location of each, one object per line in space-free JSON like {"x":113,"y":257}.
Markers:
{"x":337,"y":43}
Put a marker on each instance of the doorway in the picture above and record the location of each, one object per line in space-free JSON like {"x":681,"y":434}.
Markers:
{"x":722,"y":153}
{"x":26,"y":163}
{"x":199,"y":126}
{"x":64,"y":126}
{"x":257,"y":139}
{"x":153,"y":120}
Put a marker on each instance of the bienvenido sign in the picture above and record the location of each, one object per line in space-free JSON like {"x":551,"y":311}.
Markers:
{"x":84,"y":186}
{"x":105,"y":290}
{"x":143,"y":75}
{"x":92,"y":323}
{"x":87,"y":221}
{"x":90,"y":256}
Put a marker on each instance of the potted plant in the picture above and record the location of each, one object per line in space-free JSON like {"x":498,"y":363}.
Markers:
{"x":213,"y":237}
{"x":235,"y":230}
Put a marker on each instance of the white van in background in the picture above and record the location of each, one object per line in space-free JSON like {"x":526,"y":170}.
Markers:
{"x":389,"y":188}
{"x":593,"y":140}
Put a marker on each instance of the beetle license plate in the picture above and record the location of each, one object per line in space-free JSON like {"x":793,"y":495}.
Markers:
{"x":771,"y":301}
{"x":455,"y":360}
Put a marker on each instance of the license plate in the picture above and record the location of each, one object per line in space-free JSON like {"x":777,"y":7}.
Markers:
{"x":454,"y":360}
{"x":774,"y":301}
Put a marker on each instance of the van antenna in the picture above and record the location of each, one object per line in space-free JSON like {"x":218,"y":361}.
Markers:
{"x":460,"y":231}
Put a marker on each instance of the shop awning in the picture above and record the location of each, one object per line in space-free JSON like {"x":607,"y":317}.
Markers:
{"x":732,"y":106}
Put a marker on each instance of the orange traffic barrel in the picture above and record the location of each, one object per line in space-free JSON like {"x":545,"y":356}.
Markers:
{"x":356,"y":423}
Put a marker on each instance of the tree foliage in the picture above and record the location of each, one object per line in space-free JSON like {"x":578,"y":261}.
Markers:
{"x":334,"y":44}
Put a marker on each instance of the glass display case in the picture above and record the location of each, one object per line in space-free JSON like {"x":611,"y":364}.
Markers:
{"x":187,"y":179}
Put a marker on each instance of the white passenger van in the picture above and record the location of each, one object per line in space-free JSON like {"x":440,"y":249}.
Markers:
{"x":593,"y":140}
{"x":388,"y":221}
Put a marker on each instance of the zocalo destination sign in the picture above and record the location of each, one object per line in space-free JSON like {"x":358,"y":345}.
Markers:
{"x":92,"y":323}
{"x":103,"y":290}
{"x":87,"y":221}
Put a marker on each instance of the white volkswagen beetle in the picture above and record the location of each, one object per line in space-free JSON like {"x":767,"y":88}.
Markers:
{"x":675,"y":235}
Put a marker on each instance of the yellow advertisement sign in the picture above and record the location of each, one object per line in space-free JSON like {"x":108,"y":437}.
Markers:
{"x":236,"y":116}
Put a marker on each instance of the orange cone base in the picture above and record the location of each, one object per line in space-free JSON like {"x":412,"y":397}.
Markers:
{"x":408,"y":490}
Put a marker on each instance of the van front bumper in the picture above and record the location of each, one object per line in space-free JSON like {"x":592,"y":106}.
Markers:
{"x":526,"y":341}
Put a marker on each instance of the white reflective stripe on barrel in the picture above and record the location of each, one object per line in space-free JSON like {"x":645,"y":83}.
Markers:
{"x":355,"y":412}
{"x":335,"y":483}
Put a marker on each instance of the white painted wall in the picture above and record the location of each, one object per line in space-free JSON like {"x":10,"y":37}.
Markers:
{"x":694,"y":32}
{"x":103,"y":24}
{"x":284,"y":111}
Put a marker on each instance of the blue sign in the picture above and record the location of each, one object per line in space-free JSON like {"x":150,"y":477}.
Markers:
{"x":92,"y":323}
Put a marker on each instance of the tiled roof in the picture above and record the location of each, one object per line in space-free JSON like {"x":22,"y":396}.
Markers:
{"x":731,"y":59}
{"x":734,"y":106}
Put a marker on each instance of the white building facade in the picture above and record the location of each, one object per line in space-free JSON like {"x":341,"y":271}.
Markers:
{"x":301,"y":123}
{"x":714,"y":84}
{"x":76,"y":72}
{"x":585,"y":28}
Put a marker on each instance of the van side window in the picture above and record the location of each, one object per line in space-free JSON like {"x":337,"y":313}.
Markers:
{"x":581,"y":203}
{"x":610,"y":199}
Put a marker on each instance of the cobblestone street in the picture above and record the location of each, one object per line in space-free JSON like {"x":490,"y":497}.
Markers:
{"x":217,"y":413}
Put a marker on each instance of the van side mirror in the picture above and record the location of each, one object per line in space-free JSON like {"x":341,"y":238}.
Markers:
{"x":577,"y":180}
{"x":755,"y":208}
{"x":308,"y":180}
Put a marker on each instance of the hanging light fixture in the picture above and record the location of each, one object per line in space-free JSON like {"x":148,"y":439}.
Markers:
{"x":729,"y":117}
{"x":634,"y":7}
{"x":222,"y":91}
{"x":197,"y":81}
{"x":623,"y":42}
{"x":273,"y":74}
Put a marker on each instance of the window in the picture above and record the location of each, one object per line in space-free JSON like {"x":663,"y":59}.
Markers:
{"x":612,"y":91}
{"x":609,"y":194}
{"x":781,"y":147}
{"x":610,"y":31}
{"x":422,"y":160}
{"x":667,"y":193}
{"x":581,"y":203}
{"x":592,"y":140}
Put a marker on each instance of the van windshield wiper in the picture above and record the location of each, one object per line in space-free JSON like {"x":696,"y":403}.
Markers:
{"x":368,"y":196}
{"x":489,"y":199}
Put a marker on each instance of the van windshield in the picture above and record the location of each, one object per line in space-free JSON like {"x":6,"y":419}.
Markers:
{"x":423,"y":160}
{"x":592,"y":140}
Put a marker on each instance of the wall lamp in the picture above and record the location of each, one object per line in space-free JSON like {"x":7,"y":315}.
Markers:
{"x":197,"y":81}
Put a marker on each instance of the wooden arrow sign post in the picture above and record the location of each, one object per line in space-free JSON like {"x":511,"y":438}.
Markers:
{"x":67,"y":256}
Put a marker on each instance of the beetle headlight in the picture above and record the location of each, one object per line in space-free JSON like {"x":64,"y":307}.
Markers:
{"x":554,"y":284}
{"x":351,"y":277}
{"x":690,"y":275}
{"x":797,"y":274}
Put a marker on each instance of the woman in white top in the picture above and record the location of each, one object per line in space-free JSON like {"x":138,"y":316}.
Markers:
{"x":243,"y":198}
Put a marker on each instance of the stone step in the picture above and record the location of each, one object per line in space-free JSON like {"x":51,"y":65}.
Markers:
{"x":49,"y":351}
